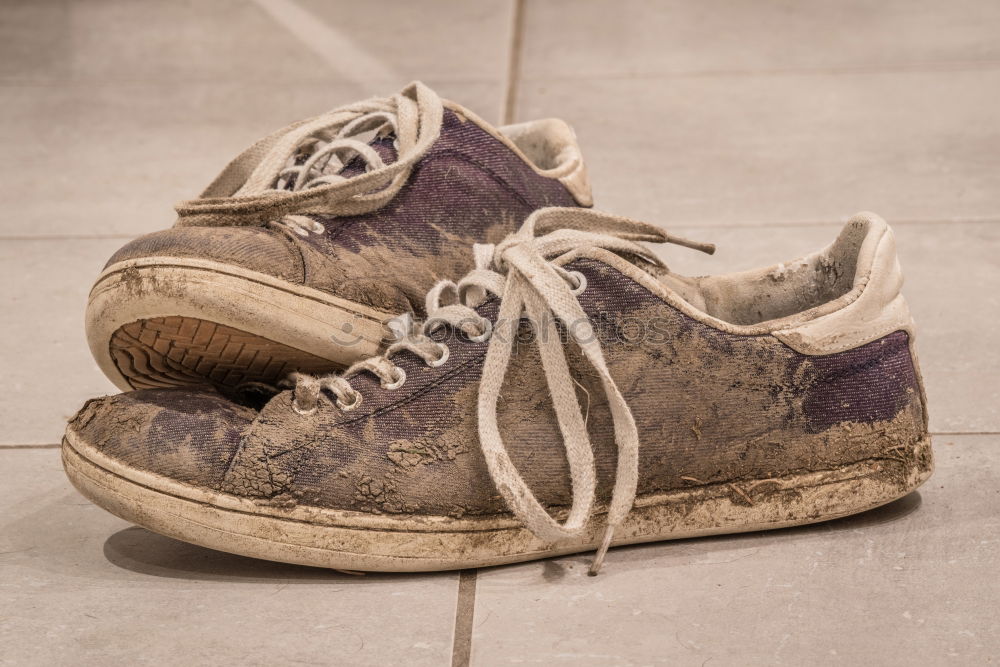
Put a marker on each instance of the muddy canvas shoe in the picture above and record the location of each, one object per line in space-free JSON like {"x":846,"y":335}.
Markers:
{"x":569,"y":393}
{"x":310,"y":240}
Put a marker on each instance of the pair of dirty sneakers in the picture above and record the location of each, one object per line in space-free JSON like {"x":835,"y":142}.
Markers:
{"x":524,"y":377}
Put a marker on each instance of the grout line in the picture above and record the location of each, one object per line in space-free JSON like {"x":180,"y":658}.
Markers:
{"x":3,"y":447}
{"x":746,"y":224}
{"x":753,"y":224}
{"x":465,"y":609}
{"x":675,"y":224}
{"x":513,"y":81}
{"x":889,"y":68}
{"x":65,"y":237}
{"x":393,"y":78}
{"x":332,"y":79}
{"x":956,"y":433}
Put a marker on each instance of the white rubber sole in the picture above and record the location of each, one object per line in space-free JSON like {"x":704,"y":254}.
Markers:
{"x":361,"y":541}
{"x":162,"y":321}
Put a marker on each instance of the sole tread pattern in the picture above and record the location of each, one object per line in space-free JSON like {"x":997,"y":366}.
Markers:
{"x":186,"y":351}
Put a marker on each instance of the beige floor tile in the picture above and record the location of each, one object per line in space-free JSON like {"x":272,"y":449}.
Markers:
{"x":791,"y":147}
{"x":908,"y":584}
{"x":276,"y":41}
{"x":952,"y":284}
{"x":638,"y":37}
{"x":117,"y":40}
{"x":44,"y":359}
{"x":105,"y":159}
{"x":446,"y":40}
{"x":112,"y":111}
{"x":79,"y":586}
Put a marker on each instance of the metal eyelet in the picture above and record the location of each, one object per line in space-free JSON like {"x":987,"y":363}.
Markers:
{"x":398,"y":382}
{"x":445,"y":353}
{"x":302,"y":225}
{"x":485,"y":335}
{"x":347,"y":407}
{"x":581,"y":282}
{"x":300,"y":411}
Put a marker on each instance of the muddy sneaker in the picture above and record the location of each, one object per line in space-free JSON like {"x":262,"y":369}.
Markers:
{"x":568,"y":394}
{"x":310,"y":240}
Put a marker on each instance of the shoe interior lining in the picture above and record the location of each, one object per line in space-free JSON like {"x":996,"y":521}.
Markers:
{"x":549,"y":143}
{"x":761,"y":295}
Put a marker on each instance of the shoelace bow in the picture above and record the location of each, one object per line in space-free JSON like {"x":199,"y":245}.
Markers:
{"x":291,"y":171}
{"x":519,"y":271}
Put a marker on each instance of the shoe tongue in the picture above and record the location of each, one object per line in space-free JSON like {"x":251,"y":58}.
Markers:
{"x":685,"y":287}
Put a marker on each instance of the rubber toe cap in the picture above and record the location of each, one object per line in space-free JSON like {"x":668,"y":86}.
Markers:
{"x":253,"y":248}
{"x":188,"y":436}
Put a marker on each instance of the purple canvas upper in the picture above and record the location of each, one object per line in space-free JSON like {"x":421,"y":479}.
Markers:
{"x":710,"y":407}
{"x":468,"y":188}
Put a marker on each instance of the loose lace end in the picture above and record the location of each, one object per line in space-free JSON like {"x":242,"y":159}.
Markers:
{"x":595,"y":567}
{"x":707,"y":248}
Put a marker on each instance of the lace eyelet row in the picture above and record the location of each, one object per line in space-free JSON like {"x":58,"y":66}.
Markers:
{"x":487,"y":327}
{"x":400,"y":378}
{"x":301,"y":411}
{"x":440,"y":361}
{"x":302,"y":225}
{"x":398,"y":381}
{"x":346,"y":407}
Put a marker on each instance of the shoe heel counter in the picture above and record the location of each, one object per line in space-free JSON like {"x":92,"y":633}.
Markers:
{"x":863,"y":353}
{"x":875,"y":306}
{"x":876,"y":383}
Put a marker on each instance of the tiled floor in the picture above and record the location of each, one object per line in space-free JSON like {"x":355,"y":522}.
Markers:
{"x":758,"y":126}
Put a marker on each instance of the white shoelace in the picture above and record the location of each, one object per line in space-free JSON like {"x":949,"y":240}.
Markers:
{"x":519,"y":271}
{"x":293,"y":171}
{"x":326,"y":139}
